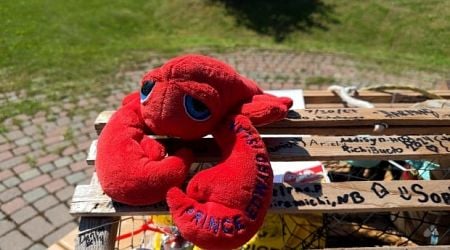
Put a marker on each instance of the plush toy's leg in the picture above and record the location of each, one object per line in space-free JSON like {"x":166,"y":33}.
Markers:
{"x":225,"y":205}
{"x":131,"y":166}
{"x":265,"y":109}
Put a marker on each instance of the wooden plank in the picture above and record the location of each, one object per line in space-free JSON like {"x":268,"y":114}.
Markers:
{"x":102,"y":119}
{"x":97,"y":233}
{"x":362,"y":116}
{"x":326,"y":99}
{"x":321,"y":96}
{"x":358,"y":147}
{"x":92,"y":153}
{"x":90,"y":200}
{"x":341,"y":117}
{"x":432,"y":104}
{"x":307,"y":148}
{"x":356,"y":130}
{"x":430,"y":247}
{"x":338,"y":197}
{"x":342,"y":105}
{"x":351,"y":130}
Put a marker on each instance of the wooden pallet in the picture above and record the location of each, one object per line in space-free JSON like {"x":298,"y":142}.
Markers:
{"x":325,"y":130}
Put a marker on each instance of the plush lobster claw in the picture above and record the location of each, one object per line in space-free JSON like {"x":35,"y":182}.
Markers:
{"x":266,"y":108}
{"x":225,"y":205}
{"x":131,"y":167}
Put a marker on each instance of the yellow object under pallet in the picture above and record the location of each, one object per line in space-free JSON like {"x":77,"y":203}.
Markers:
{"x":279,"y":231}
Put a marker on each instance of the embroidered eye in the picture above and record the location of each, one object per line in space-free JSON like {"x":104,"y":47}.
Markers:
{"x":195,"y":109}
{"x":146,"y":89}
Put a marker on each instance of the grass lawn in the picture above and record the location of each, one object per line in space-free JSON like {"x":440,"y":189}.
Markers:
{"x":61,"y":48}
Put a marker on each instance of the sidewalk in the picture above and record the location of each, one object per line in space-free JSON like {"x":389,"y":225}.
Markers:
{"x":42,"y":157}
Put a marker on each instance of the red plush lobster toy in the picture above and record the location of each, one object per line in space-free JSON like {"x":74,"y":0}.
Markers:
{"x":189,"y":97}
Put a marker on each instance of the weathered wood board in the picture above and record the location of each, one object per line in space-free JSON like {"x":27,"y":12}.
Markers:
{"x":345,"y":197}
{"x":363,"y":116}
{"x":356,"y":130}
{"x":96,"y":233}
{"x":430,"y":247}
{"x":343,"y":105}
{"x":301,"y":120}
{"x":124,"y":224}
{"x":307,"y":148}
{"x":92,"y":154}
{"x":402,"y":96}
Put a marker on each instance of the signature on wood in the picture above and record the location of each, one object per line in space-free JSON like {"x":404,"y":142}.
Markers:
{"x":355,"y":114}
{"x":374,"y":145}
{"x":92,"y":238}
{"x":408,"y":113}
{"x":283,"y":196}
{"x":330,"y":114}
{"x":407,"y":192}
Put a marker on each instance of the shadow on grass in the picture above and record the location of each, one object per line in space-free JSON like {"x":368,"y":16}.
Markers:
{"x":280,"y":18}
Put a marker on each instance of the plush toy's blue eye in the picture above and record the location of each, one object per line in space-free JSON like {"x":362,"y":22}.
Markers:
{"x":196,"y":109}
{"x":146,"y":89}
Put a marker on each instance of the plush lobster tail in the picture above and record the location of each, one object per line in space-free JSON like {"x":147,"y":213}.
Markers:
{"x":131,"y":167}
{"x":225,"y":205}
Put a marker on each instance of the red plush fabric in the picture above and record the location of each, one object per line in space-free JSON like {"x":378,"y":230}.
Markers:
{"x":189,"y":97}
{"x":131,"y":167}
{"x":225,"y":205}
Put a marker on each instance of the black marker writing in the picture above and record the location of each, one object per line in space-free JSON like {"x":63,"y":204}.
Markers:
{"x":379,"y":190}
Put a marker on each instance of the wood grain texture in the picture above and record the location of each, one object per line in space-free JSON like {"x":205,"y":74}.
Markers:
{"x":339,"y":197}
{"x":97,"y":233}
{"x":307,"y":148}
{"x":341,"y":117}
{"x":321,"y":96}
{"x":333,"y":117}
{"x":356,"y":130}
{"x":443,"y":247}
{"x":343,"y":105}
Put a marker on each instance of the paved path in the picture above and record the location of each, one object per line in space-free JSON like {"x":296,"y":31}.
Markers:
{"x":42,"y":156}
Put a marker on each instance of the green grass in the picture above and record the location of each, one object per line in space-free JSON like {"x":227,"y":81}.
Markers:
{"x":63,"y":48}
{"x":319,"y":80}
